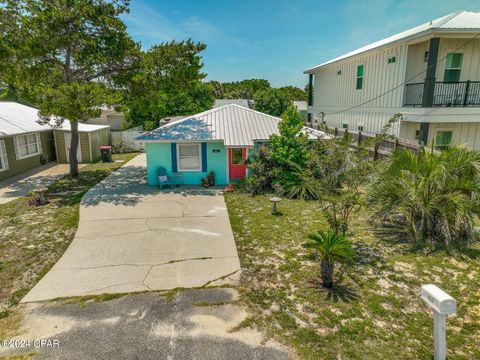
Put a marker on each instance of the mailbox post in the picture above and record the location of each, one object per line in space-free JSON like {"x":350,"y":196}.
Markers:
{"x":442,"y":305}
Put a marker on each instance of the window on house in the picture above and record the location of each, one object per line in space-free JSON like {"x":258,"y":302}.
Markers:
{"x":189,"y":157}
{"x":359,"y":77}
{"x":453,"y":65}
{"x":360,"y":127}
{"x":392,"y":59}
{"x":443,"y":139}
{"x":3,"y":156}
{"x":339,"y":72}
{"x":27,"y":145}
{"x":345,"y":125}
{"x":425,"y":56}
{"x":417,"y":134}
{"x":237,"y":156}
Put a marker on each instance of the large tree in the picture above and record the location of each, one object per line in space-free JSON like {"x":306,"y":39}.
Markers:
{"x":271,"y":101}
{"x":165,"y":81}
{"x":65,"y":55}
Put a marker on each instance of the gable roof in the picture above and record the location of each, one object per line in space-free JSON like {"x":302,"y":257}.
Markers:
{"x":462,"y":21}
{"x":241,"y":102}
{"x":17,"y":119}
{"x":237,"y":126}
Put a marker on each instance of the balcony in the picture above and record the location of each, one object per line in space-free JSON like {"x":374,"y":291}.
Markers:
{"x":462,"y":93}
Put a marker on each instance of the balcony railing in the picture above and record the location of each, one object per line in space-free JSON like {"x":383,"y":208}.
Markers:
{"x":462,"y":93}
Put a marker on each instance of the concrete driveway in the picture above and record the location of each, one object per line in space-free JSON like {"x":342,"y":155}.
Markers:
{"x":132,"y":237}
{"x":194,"y":324}
{"x":20,"y":185}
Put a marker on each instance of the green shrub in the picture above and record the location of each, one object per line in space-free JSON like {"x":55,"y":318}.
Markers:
{"x":120,"y":147}
{"x":434,"y":195}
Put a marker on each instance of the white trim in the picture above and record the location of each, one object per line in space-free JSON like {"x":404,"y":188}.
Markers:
{"x":37,"y":142}
{"x":55,"y":142}
{"x":89,"y":146}
{"x":199,"y":169}
{"x":3,"y":156}
{"x":228,"y":164}
{"x":67,"y":151}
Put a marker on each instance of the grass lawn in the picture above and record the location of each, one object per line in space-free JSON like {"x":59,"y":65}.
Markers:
{"x":374,"y":312}
{"x":34,"y":238}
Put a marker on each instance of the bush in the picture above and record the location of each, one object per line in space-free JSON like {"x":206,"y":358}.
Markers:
{"x":263,"y":171}
{"x":435,"y":194}
{"x":120,"y":147}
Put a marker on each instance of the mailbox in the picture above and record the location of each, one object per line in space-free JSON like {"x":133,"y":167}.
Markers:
{"x":438,"y":299}
{"x":442,"y":305}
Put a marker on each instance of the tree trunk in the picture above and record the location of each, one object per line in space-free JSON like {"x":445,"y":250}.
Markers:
{"x":326,"y":269}
{"x":73,"y":149}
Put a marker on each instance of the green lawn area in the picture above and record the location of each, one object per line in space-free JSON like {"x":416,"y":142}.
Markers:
{"x":375,"y":311}
{"x":34,"y":238}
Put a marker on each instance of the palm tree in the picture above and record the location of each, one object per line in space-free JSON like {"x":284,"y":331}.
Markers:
{"x":332,"y":248}
{"x":434,"y":193}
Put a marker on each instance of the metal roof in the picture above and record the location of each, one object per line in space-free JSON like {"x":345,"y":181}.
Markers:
{"x":17,"y":119}
{"x":458,"y":22}
{"x":235,"y":125}
{"x":241,"y":102}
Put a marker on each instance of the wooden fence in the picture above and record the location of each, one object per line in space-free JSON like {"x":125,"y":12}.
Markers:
{"x":381,"y":149}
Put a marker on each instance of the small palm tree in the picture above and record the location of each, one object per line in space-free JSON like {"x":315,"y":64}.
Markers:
{"x":434,"y":192}
{"x":332,"y":248}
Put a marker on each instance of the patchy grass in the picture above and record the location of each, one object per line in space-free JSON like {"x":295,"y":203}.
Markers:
{"x":373,"y":312}
{"x":34,"y":238}
{"x":19,"y":356}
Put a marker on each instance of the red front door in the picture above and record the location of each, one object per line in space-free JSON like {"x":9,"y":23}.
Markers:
{"x":236,"y":163}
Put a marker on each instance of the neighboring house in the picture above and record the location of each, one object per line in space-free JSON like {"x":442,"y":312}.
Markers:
{"x":240,"y":102}
{"x":171,"y":119}
{"x":26,"y":144}
{"x":111,"y":117}
{"x":430,"y":74}
{"x":301,"y":107}
{"x":220,"y":139}
{"x":91,"y":137}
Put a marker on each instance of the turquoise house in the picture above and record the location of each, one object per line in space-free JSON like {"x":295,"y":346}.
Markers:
{"x":218,"y":140}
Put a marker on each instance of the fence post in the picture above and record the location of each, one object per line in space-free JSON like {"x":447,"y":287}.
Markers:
{"x":335,"y":132}
{"x":359,"y":138}
{"x":375,"y":148}
{"x":465,"y":97}
{"x":396,"y":144}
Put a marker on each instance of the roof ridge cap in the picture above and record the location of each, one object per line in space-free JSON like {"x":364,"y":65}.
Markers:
{"x":448,"y":18}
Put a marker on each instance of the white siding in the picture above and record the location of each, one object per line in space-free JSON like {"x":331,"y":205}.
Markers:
{"x":339,"y":91}
{"x":471,"y":57}
{"x":334,"y":93}
{"x":467,"y":134}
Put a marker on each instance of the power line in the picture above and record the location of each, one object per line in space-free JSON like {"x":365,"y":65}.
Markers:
{"x":18,"y":96}
{"x":403,"y":83}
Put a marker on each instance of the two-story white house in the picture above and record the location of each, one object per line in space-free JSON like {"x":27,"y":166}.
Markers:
{"x":430,"y":74}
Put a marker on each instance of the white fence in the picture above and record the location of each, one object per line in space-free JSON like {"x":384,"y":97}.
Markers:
{"x":128,"y":138}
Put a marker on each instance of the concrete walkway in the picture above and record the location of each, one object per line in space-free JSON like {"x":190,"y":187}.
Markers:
{"x":132,"y":237}
{"x":20,"y":185}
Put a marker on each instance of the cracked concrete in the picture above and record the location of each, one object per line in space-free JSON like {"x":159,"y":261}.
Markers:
{"x":132,"y":238}
{"x":147,"y":326}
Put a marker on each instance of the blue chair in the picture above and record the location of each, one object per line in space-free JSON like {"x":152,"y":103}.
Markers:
{"x":163,"y":178}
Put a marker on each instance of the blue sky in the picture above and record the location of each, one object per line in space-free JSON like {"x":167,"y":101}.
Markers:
{"x":277,"y":39}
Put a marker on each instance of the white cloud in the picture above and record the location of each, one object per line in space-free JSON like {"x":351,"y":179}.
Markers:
{"x":151,"y":26}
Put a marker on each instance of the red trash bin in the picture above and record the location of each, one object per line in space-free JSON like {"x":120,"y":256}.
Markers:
{"x":106,"y":153}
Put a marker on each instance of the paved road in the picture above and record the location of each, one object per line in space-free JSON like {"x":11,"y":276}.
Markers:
{"x":132,"y":237}
{"x":195,"y":324}
{"x":20,"y":185}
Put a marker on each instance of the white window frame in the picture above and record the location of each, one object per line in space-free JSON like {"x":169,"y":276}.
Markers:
{"x":445,"y":68}
{"x":3,"y":156}
{"x":179,"y":168}
{"x":37,"y":142}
